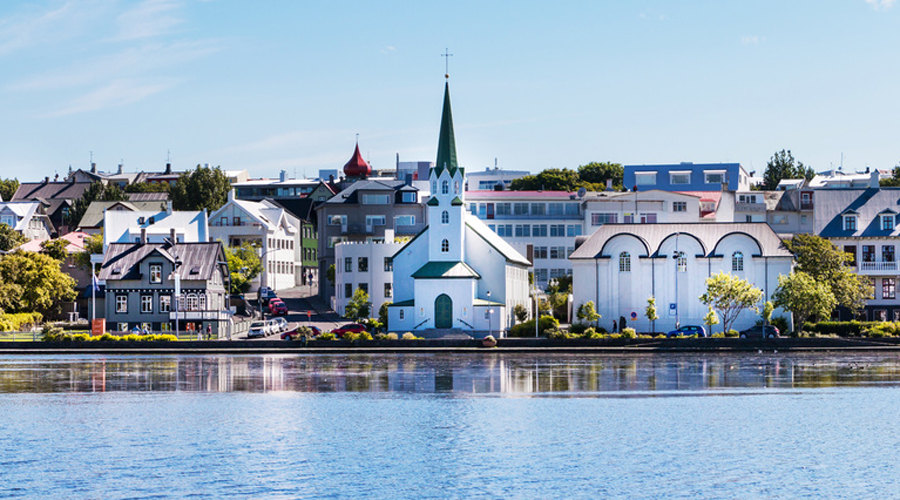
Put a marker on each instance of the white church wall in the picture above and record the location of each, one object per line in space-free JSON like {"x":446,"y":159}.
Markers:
{"x":460,"y":292}
{"x":414,"y":256}
{"x":374,"y":278}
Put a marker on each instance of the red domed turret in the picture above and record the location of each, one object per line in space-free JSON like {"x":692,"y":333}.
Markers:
{"x":357,"y":167}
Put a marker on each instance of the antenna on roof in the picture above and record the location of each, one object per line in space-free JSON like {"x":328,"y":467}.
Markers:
{"x":582,"y":192}
{"x":168,"y":156}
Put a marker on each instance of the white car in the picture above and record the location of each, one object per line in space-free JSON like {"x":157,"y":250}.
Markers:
{"x":281,"y":325}
{"x":258,"y":329}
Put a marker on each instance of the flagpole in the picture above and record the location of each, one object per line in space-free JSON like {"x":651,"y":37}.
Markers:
{"x":93,"y":295}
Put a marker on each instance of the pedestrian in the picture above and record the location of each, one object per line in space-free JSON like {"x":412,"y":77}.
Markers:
{"x":209,"y":332}
{"x":145,"y":331}
{"x":614,"y":327}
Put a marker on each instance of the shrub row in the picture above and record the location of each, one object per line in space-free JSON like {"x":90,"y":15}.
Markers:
{"x":526,"y":329}
{"x":55,"y":334}
{"x":854,"y":328}
{"x":19,"y":321}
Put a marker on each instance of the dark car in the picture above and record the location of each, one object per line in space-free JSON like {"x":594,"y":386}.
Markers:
{"x":687,"y":331}
{"x":756,"y":332}
{"x":277,"y":307}
{"x":348,"y":328}
{"x":294,"y":334}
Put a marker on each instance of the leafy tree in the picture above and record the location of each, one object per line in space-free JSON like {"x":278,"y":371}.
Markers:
{"x":8,"y":188}
{"x":92,"y":245}
{"x":55,"y":248}
{"x":587,"y":312}
{"x":651,"y":312}
{"x":783,"y":166}
{"x":767,"y":310}
{"x":33,"y":282}
{"x":383,"y":313}
{"x":147,"y":187}
{"x":551,"y":179}
{"x":329,"y":273}
{"x":10,"y":238}
{"x":729,"y":295}
{"x":598,"y":173}
{"x":804,"y":296}
{"x":359,"y":306}
{"x":244,"y":266}
{"x":827,"y":264}
{"x":521,"y":313}
{"x":710,"y":319}
{"x":202,"y":188}
{"x":893,"y":181}
{"x":98,"y":191}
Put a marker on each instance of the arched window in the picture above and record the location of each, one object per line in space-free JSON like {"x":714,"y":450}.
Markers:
{"x":202,"y":301}
{"x":445,"y":187}
{"x":455,"y":187}
{"x":737,"y":261}
{"x":624,"y":262}
{"x":445,"y":217}
{"x":445,"y":246}
{"x":680,"y":262}
{"x":192,"y":302}
{"x":421,"y":312}
{"x":401,"y":314}
{"x":433,"y":187}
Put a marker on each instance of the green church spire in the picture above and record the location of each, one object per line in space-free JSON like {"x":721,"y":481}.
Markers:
{"x":446,"y":155}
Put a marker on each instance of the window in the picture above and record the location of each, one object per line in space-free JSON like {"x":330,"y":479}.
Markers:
{"x":348,"y":264}
{"x":573,"y":209}
{"x":503,"y":209}
{"x":603,"y":218}
{"x":679,"y":206}
{"x":402,"y":315}
{"x":334,"y":240}
{"x":504,"y":229}
{"x":779,"y":219}
{"x":804,"y":219}
{"x":445,"y":187}
{"x":455,"y":187}
{"x":680,"y":262}
{"x":628,"y":218}
{"x":408,"y":197}
{"x":364,"y":287}
{"x":679,"y":177}
{"x":714,"y":176}
{"x":202,"y":302}
{"x":644,"y":178}
{"x":539,"y":230}
{"x":887,"y":222}
{"x":737,"y":261}
{"x":540,"y":252}
{"x":887,"y":253}
{"x":557,"y":230}
{"x":851,"y":249}
{"x":348,"y":290}
{"x":573,"y":230}
{"x":888,"y":288}
{"x":123,"y":327}
{"x":433,"y":187}
{"x":363,"y":265}
{"x":557,"y":252}
{"x":146,"y":303}
{"x":523,"y":230}
{"x":337,"y":220}
{"x":165,"y":303}
{"x":388,"y":264}
{"x":374,"y":220}
{"x":555,"y":208}
{"x":404,"y":220}
{"x":520,"y":208}
{"x":849,"y":223}
{"x":747,"y":198}
{"x":868,"y":253}
{"x":155,"y":273}
{"x":445,"y":246}
{"x":121,"y":303}
{"x":648,"y":218}
{"x":193,"y":302}
{"x":540,"y":275}
{"x":376,"y":199}
{"x":388,"y":290}
{"x":445,"y":217}
{"x":624,"y":262}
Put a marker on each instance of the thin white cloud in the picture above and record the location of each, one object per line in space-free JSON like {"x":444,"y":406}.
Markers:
{"x":388,"y":49}
{"x":881,"y":4}
{"x":752,"y":39}
{"x":118,"y":93}
{"x":26,"y":29}
{"x":150,"y":18}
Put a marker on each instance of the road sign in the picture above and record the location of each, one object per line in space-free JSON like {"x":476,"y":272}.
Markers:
{"x":633,"y":315}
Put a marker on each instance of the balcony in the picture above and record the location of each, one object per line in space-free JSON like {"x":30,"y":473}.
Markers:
{"x":408,"y":230}
{"x":877,"y":267}
{"x":240,"y":223}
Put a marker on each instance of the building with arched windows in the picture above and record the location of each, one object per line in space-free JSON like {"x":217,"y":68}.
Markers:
{"x":456,"y":275}
{"x":622,"y":265}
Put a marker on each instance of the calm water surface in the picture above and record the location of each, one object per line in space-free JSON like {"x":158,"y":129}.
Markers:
{"x":450,"y":426}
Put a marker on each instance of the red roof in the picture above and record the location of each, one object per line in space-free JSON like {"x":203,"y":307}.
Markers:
{"x":483,"y":193}
{"x":357,"y":167}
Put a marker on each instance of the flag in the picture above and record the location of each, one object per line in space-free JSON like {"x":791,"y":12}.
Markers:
{"x":95,"y":282}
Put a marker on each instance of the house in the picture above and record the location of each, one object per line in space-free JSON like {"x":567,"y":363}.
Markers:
{"x":27,"y":218}
{"x":864,"y":223}
{"x":456,"y":275}
{"x":275,"y":232}
{"x":620,"y":266}
{"x":493,"y":178}
{"x":837,"y":179}
{"x":92,"y":220}
{"x":367,"y":266}
{"x":141,"y":281}
{"x":154,"y":226}
{"x":57,"y":199}
{"x":687,"y":176}
{"x":787,"y":211}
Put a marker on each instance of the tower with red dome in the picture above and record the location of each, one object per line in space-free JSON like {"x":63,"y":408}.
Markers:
{"x":357,"y":168}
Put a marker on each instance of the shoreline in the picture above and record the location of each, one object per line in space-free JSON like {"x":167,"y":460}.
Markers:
{"x":505,"y":345}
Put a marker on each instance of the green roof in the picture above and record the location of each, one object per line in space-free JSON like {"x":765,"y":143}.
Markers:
{"x":446,"y":270}
{"x":405,"y":303}
{"x":433,"y":202}
{"x":446,"y":154}
{"x":483,"y":302}
{"x":456,"y":202}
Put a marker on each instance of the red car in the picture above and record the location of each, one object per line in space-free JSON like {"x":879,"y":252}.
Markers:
{"x":277,"y":307}
{"x":293,"y":334}
{"x":348,"y":328}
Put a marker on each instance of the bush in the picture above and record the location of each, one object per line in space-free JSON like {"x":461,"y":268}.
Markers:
{"x":781,"y":323}
{"x":591,"y":333}
{"x":732,"y":333}
{"x":326,"y":336}
{"x":19,"y":322}
{"x":409,"y":336}
{"x":578,"y":328}
{"x":386,"y":336}
{"x":629,"y":333}
{"x":850,"y":328}
{"x":52,"y":333}
{"x":526,"y":329}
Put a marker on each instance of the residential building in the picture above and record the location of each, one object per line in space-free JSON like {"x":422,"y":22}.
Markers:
{"x":456,"y":275}
{"x":282,"y":188}
{"x":687,"y":176}
{"x":92,"y":220}
{"x":837,"y":179}
{"x":81,"y":275}
{"x":154,"y":226}
{"x":788,"y":211}
{"x":141,"y":282}
{"x":27,"y":218}
{"x":491,"y":178}
{"x":366,"y":266}
{"x":57,"y":199}
{"x":620,"y":266}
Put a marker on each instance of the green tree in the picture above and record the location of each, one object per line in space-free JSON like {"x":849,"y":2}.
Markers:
{"x":781,"y":166}
{"x":359,"y":306}
{"x":8,"y":188}
{"x":587,"y":312}
{"x":10,"y":238}
{"x":147,"y":187}
{"x":551,"y":179}
{"x":92,"y":245}
{"x":766,"y":313}
{"x":729,"y":295}
{"x":710,"y":319}
{"x":329,"y":273}
{"x":97,"y":191}
{"x":383,"y":313}
{"x":597,"y":174}
{"x":804,"y":296}
{"x":33,"y":282}
{"x":244,"y":266}
{"x":893,"y":181}
{"x":202,"y":188}
{"x":521,"y":313}
{"x":651,"y":313}
{"x":55,"y":248}
{"x":827,"y":264}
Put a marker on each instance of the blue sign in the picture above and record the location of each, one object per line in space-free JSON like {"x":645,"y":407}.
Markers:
{"x":673,"y":309}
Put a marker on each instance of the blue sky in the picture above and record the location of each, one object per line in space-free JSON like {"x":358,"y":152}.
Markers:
{"x":275,"y":85}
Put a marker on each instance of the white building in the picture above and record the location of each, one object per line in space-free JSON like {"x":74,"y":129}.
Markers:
{"x":367,"y":266}
{"x":455,"y":275}
{"x":27,"y":218}
{"x":492,"y":177}
{"x":128,"y":227}
{"x":273,"y":230}
{"x":622,"y":265}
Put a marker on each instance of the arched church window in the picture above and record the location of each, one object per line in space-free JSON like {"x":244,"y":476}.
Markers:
{"x":445,"y":187}
{"x":445,"y":217}
{"x":737,"y":261}
{"x":445,"y":246}
{"x":456,"y":187}
{"x":401,"y":314}
{"x":421,"y":312}
{"x":465,"y":311}
{"x":624,"y":262}
{"x":680,"y":262}
{"x":433,"y":187}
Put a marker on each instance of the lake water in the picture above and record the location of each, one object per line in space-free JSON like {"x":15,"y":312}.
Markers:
{"x":691,"y":426}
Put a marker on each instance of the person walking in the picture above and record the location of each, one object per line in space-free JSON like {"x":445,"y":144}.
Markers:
{"x":209,"y":332}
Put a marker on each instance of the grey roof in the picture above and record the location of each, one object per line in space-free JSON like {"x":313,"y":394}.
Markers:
{"x":868,"y":204}
{"x":50,"y":190}
{"x":161,"y":196}
{"x":125,"y":257}
{"x":93,"y":216}
{"x":708,"y":235}
{"x":351,"y":194}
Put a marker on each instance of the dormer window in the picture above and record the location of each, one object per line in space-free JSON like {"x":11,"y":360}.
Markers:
{"x":850,"y":223}
{"x":887,"y":222}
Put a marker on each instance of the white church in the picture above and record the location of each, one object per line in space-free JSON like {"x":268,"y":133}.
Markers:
{"x":456,"y":275}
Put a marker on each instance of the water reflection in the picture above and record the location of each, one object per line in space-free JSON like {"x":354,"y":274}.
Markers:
{"x":458,"y":373}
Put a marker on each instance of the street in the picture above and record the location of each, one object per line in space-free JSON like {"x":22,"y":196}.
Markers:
{"x":299,"y":302}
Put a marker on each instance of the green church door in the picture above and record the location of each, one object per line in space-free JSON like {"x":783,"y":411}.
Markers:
{"x":443,"y":312}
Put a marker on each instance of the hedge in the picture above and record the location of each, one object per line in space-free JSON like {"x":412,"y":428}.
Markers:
{"x":19,"y":321}
{"x":526,"y":329}
{"x":854,"y":328}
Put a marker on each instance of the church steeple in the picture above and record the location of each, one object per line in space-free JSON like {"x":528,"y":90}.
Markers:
{"x":446,"y":155}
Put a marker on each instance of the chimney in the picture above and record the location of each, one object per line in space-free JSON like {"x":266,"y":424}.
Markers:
{"x":120,"y":169}
{"x":282,"y":176}
{"x":143,"y":236}
{"x":169,"y":208}
{"x":168,"y":169}
{"x":93,"y":168}
{"x":173,"y":237}
{"x":231,"y":193}
{"x":407,"y":179}
{"x":46,"y":180}
{"x":724,"y":185}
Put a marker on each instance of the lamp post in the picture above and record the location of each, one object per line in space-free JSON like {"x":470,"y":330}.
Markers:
{"x":489,"y":313}
{"x":177,"y":293}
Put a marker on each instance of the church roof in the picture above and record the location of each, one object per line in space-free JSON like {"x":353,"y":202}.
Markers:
{"x":495,"y":241}
{"x":445,"y":270}
{"x":357,"y":166}
{"x":446,"y":154}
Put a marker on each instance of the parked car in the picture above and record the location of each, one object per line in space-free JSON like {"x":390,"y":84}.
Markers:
{"x":349,"y":328}
{"x":258,"y":329}
{"x":687,"y":331}
{"x":265,"y":294}
{"x":756,"y":332}
{"x":293,"y":333}
{"x":281,"y":325}
{"x":277,"y":307}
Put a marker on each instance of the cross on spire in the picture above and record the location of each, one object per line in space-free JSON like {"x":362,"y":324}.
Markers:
{"x":446,"y":55}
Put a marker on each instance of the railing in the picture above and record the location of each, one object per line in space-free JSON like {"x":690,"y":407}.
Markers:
{"x":806,"y":206}
{"x":533,"y":217}
{"x":219,"y":223}
{"x":465,"y":323}
{"x":877,"y":266}
{"x":422,"y":323}
{"x":409,"y":229}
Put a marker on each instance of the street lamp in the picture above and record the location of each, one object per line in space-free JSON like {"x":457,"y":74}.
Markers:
{"x":489,"y":313}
